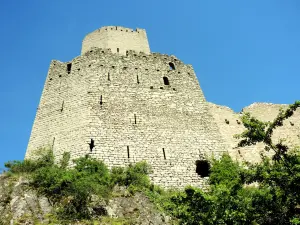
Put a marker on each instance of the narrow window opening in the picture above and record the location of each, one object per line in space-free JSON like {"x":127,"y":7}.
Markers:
{"x":62,"y":106}
{"x":128,"y":155}
{"x":126,"y":53}
{"x":53,"y":143}
{"x":137,"y":79}
{"x":69,"y":67}
{"x":108,"y":76}
{"x":172,"y":66}
{"x":101,"y":102}
{"x":202,"y":168}
{"x":166,"y":81}
{"x":164,"y":153}
{"x":117,"y":49}
{"x":134,"y":118}
{"x":92,"y":145}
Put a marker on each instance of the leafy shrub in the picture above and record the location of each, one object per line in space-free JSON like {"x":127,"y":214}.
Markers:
{"x":264,"y":193}
{"x":45,"y":158}
{"x":64,"y":162}
{"x":71,"y":189}
{"x":135,"y":177}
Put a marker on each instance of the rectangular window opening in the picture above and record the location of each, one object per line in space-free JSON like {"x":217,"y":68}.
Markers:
{"x":62,"y":106}
{"x":128,"y":155}
{"x":137,"y":79}
{"x":92,"y":145}
{"x":164,"y":153}
{"x":118,"y":49}
{"x":134,"y":118}
{"x":53,"y":143}
{"x":69,"y":67}
{"x":101,"y":102}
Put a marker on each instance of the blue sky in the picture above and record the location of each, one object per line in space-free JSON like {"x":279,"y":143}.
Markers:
{"x":242,"y":51}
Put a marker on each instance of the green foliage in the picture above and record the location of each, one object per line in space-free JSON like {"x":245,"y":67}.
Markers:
{"x":226,"y":172}
{"x":264,"y":193}
{"x":65,"y":160}
{"x":258,"y":131}
{"x":71,"y":189}
{"x":44,"y":158}
{"x":134,"y":176}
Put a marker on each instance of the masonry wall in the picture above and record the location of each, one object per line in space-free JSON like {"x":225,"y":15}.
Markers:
{"x":61,"y":118}
{"x":118,"y":39}
{"x":230,"y":124}
{"x":123,"y":104}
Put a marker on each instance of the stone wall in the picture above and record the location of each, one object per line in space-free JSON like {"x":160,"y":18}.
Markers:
{"x":118,"y":39}
{"x":125,"y":105}
{"x":230,"y":124}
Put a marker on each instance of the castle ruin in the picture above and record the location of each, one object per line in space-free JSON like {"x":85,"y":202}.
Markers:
{"x":120,"y":103}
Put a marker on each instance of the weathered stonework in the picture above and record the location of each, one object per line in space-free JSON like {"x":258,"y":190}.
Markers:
{"x":230,"y":124}
{"x":122,"y":104}
{"x":118,"y":39}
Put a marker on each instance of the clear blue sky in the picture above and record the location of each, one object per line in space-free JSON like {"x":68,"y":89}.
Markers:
{"x":242,"y":51}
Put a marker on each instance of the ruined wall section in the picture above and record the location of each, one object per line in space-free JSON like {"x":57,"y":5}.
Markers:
{"x":230,"y":124}
{"x":118,"y":39}
{"x":290,"y":131}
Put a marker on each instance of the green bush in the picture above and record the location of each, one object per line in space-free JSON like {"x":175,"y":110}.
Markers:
{"x":71,"y":189}
{"x":45,"y":158}
{"x":135,"y":177}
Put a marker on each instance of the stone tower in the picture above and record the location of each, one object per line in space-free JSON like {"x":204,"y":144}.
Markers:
{"x":120,"y":103}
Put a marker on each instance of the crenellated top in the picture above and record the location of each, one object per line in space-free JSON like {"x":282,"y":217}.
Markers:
{"x":118,"y":39}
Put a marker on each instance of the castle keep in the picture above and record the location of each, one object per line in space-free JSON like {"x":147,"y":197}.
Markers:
{"x":121,"y":103}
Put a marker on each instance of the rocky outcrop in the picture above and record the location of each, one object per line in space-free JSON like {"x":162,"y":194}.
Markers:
{"x":20,"y":204}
